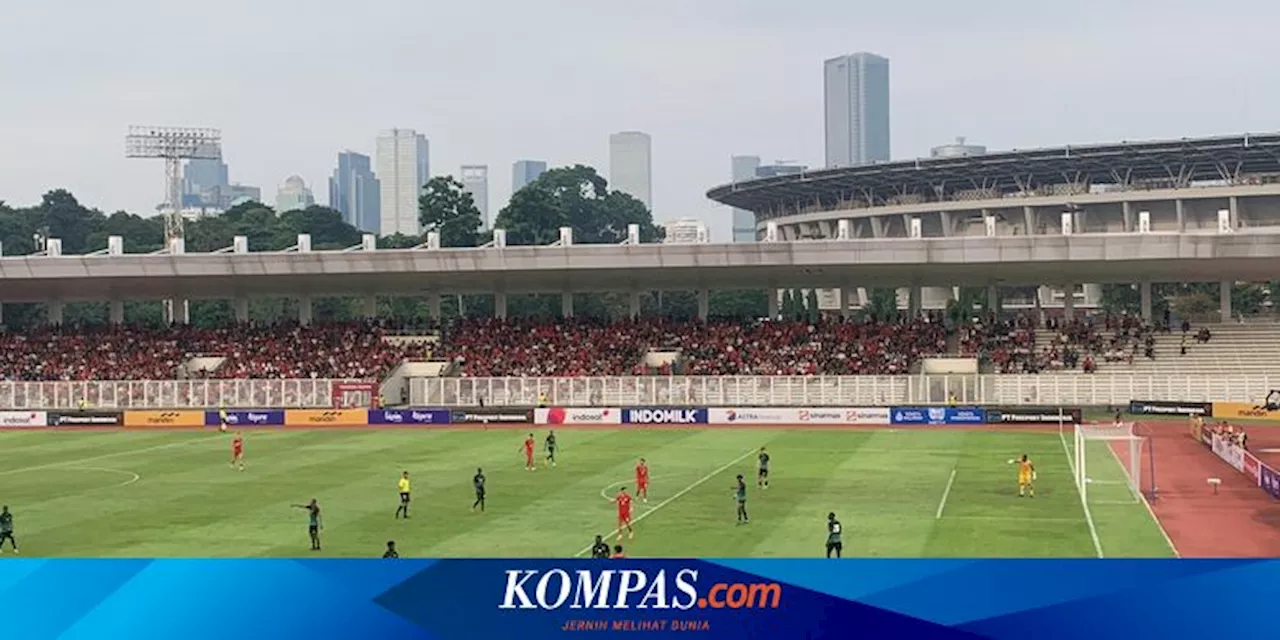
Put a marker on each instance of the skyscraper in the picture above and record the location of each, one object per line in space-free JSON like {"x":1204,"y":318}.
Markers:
{"x":475,"y":181}
{"x":856,"y":95}
{"x":631,"y":165}
{"x":744,"y":222}
{"x":403,"y":168}
{"x":525,"y":171}
{"x":353,"y":191}
{"x":204,"y":173}
{"x":293,"y":195}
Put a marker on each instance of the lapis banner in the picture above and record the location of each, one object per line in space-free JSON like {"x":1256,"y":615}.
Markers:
{"x":254,"y":418}
{"x":409,"y":416}
{"x":318,"y":599}
{"x":662,"y":415}
{"x":937,"y":415}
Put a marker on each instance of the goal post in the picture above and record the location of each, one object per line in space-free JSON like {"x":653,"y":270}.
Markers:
{"x":1107,"y":464}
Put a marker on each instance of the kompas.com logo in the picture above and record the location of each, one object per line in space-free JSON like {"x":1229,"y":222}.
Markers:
{"x":631,"y":589}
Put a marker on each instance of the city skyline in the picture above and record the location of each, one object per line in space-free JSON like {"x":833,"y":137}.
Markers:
{"x":355,"y":193}
{"x":402,"y":164}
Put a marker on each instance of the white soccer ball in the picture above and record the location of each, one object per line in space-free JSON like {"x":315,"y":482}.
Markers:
{"x":222,"y":428}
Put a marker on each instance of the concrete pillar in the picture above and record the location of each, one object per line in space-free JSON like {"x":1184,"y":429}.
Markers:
{"x":1144,"y":289}
{"x":115,"y":312}
{"x":877,"y":227}
{"x":1178,"y":209}
{"x":773,"y":303}
{"x":433,"y":304}
{"x":993,"y":298}
{"x":1129,"y":225}
{"x":304,"y":310}
{"x":634,"y":300}
{"x":1224,"y":300}
{"x":704,"y":304}
{"x":1069,"y":301}
{"x":177,"y":311}
{"x":566,"y":304}
{"x":914,"y":295}
{"x":242,"y":310}
{"x":371,"y":306}
{"x":500,"y":305}
{"x":945,"y":217}
{"x":1029,"y":219}
{"x":845,"y":292}
{"x":1234,"y":207}
{"x":55,"y":312}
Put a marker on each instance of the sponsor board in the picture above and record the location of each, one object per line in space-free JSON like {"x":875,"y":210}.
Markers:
{"x":577,"y":415}
{"x":647,"y":415}
{"x":326,"y":417}
{"x":409,"y":416}
{"x":1034,"y":415}
{"x":852,"y":416}
{"x":1269,"y":480}
{"x":937,"y":415}
{"x":246,"y":418}
{"x":86,"y":419}
{"x":15,"y":419}
{"x":1162,"y":408}
{"x":1252,"y":467}
{"x":1229,"y":410}
{"x":486,"y":416}
{"x":1230,"y":453}
{"x":144,"y":419}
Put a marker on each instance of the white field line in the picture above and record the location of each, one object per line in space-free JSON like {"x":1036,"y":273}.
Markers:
{"x":1018,"y":519}
{"x":697,"y":483}
{"x":107,"y":456}
{"x":942,"y":504}
{"x":604,"y":492}
{"x":1146,"y":503}
{"x":134,"y":477}
{"x":1088,"y":515}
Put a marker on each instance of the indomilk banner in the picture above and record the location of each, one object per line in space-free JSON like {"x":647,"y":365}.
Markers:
{"x":645,"y":415}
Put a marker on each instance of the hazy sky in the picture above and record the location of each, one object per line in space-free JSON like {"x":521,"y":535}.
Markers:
{"x":292,"y":83}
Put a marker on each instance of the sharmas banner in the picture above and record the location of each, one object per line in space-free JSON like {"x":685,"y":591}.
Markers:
{"x":533,"y":599}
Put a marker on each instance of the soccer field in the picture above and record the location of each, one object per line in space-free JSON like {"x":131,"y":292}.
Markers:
{"x":899,"y":493}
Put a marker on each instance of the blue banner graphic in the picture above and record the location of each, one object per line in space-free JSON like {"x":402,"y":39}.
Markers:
{"x":656,"y":415}
{"x":1270,"y":480}
{"x":776,"y":599}
{"x":250,"y":418}
{"x":938,"y":415}
{"x":409,"y":416}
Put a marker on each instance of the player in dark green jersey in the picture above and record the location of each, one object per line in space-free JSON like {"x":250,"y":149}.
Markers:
{"x":834,"y":544}
{"x":550,"y":444}
{"x":314,"y":523}
{"x":740,"y":496}
{"x":762,"y":472}
{"x":600,"y":548}
{"x":6,"y":529}
{"x":477,"y":482}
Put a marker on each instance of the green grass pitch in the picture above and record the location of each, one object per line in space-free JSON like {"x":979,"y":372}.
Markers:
{"x":899,"y":493}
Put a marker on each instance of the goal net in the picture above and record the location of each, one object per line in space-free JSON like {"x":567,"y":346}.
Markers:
{"x":1106,"y":461}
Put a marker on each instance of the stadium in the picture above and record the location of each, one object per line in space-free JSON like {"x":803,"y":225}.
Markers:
{"x":909,"y":427}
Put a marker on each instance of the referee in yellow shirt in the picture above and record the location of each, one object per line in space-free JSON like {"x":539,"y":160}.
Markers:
{"x":404,"y":495}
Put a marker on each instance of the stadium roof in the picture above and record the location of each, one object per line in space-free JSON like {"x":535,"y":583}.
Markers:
{"x":1177,"y":162}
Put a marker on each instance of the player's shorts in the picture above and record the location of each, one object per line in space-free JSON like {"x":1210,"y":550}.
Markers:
{"x":404,"y":497}
{"x":641,"y":486}
{"x":763,"y":473}
{"x":480,"y":494}
{"x":314,"y":529}
{"x":237,"y":452}
{"x":835,"y":546}
{"x":6,"y":535}
{"x":551,"y":453}
{"x":1024,"y":479}
{"x":624,"y":519}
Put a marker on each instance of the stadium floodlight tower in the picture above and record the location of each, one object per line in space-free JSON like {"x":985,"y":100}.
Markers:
{"x":173,"y":144}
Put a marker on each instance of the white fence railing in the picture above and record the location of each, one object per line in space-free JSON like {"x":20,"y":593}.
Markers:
{"x":850,"y":391}
{"x":168,"y":394}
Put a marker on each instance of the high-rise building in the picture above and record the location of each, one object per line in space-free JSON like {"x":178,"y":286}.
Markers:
{"x":856,"y":96}
{"x":475,"y":181}
{"x":293,"y":195}
{"x":744,"y":222}
{"x":353,"y":191}
{"x":631,"y":165}
{"x":525,"y":171}
{"x":204,"y":173}
{"x":685,"y":231}
{"x":402,"y":162}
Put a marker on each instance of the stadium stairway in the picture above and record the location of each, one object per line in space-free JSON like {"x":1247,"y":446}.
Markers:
{"x":1232,"y":349}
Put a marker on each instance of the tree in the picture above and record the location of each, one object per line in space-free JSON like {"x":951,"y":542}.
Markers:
{"x":1118,"y":299}
{"x":811,"y":302}
{"x":882,"y":304}
{"x":1193,"y":305}
{"x":579,"y":198}
{"x":445,"y":207}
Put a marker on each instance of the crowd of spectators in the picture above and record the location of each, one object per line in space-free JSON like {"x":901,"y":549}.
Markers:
{"x":1011,"y":346}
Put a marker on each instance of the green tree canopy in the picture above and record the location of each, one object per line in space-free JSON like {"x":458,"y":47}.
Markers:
{"x":579,"y":198}
{"x":447,"y":208}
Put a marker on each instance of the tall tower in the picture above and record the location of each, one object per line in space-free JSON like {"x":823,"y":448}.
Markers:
{"x":354,"y":192}
{"x":402,"y":161}
{"x":856,"y":97}
{"x":744,"y":222}
{"x":475,"y":181}
{"x":631,"y":165}
{"x":525,"y":171}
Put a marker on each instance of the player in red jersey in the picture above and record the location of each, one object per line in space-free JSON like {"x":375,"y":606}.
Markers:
{"x":528,"y":454}
{"x":623,"y":500}
{"x":642,"y":480}
{"x":237,"y":451}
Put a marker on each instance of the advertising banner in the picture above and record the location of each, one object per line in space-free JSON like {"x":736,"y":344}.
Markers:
{"x":86,"y":419}
{"x":326,"y":417}
{"x":1269,"y":479}
{"x":1034,"y":415}
{"x":494,"y":416}
{"x":1162,"y":408}
{"x":748,"y":415}
{"x":409,"y":416}
{"x":577,"y":415}
{"x":15,"y":419}
{"x":1252,"y":467}
{"x":937,"y":415}
{"x":1230,"y":453}
{"x":646,"y":415}
{"x":852,"y":416}
{"x":246,"y":418}
{"x":161,"y":419}
{"x":1229,"y":410}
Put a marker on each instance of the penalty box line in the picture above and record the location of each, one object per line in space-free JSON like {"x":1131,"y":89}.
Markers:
{"x":697,"y":483}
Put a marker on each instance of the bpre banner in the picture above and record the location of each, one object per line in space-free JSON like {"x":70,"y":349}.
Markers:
{"x":15,"y":419}
{"x":1270,"y":480}
{"x":1034,"y":415}
{"x":496,"y":416}
{"x":1231,"y":410}
{"x":1161,"y":408}
{"x":1230,"y":453}
{"x":646,"y":415}
{"x":577,"y":415}
{"x":326,"y":417}
{"x":161,"y":419}
{"x":851,"y":416}
{"x":937,"y":415}
{"x":250,"y":418}
{"x":86,"y":419}
{"x":409,"y":416}
{"x":1252,"y":467}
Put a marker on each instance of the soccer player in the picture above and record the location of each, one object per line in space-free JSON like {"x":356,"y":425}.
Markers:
{"x":762,"y":474}
{"x":6,"y":529}
{"x":528,"y":454}
{"x":551,"y":448}
{"x":1026,"y":474}
{"x":834,"y":544}
{"x":478,"y":483}
{"x":600,"y":548}
{"x":314,"y":523}
{"x":403,"y":485}
{"x":391,"y":552}
{"x":642,"y":480}
{"x":617,"y":552}
{"x":740,"y":496}
{"x":237,"y":451}
{"x":222,"y":418}
{"x":623,"y":500}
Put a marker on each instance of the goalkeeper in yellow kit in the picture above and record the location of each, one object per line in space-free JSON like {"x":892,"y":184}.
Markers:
{"x":1026,"y":476}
